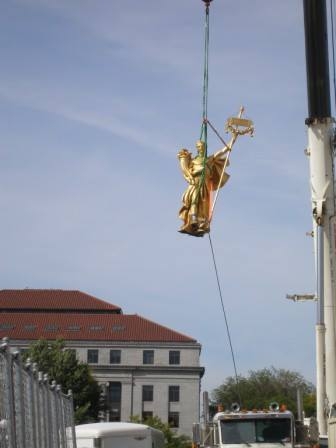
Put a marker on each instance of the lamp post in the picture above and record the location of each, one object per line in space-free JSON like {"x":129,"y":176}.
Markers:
{"x":320,"y":352}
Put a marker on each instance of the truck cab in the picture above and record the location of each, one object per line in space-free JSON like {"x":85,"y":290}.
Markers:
{"x":254,"y":429}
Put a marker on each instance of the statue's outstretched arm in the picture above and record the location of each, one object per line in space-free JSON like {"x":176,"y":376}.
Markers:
{"x":222,"y":152}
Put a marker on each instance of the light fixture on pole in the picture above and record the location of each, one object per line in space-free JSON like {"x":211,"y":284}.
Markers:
{"x":301,"y":297}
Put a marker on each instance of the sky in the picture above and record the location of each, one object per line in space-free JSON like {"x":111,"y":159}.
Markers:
{"x":96,"y":99}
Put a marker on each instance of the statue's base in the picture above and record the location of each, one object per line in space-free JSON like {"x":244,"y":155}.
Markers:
{"x":194,"y":232}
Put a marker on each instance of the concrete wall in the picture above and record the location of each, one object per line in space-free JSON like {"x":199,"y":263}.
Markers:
{"x":131,"y":356}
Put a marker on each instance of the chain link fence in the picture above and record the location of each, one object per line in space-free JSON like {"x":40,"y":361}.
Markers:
{"x":34,"y":413}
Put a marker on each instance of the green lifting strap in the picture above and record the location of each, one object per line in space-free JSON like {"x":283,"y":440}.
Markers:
{"x":204,"y":126}
{"x":204,"y":133}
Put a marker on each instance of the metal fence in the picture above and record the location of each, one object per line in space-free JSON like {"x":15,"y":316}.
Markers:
{"x":34,"y":413}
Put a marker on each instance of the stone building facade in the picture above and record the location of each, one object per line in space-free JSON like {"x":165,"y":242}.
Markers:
{"x":143,"y":368}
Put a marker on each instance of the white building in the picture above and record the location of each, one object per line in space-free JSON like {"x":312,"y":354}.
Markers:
{"x":144,"y":368}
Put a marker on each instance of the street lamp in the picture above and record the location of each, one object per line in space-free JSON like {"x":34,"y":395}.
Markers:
{"x":301,"y":297}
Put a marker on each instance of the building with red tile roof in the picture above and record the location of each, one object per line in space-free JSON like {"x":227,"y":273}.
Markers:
{"x":143,"y":367}
{"x":53,"y":300}
{"x":84,"y":327}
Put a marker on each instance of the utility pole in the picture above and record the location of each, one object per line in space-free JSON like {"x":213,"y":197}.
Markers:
{"x":320,"y":153}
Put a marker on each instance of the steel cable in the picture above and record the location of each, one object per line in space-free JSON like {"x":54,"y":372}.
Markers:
{"x":226,"y":321}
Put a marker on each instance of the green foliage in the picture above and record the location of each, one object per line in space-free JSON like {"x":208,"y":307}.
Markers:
{"x":171,"y":439}
{"x":261,"y":387}
{"x":62,"y":366}
{"x":309,"y":404}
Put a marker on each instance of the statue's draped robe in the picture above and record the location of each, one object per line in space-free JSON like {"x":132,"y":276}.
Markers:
{"x":203,"y":177}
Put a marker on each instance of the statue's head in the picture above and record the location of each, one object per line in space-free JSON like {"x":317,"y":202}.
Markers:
{"x":200,"y":146}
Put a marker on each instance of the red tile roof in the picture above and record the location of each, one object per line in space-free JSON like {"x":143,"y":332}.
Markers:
{"x":95,"y":327}
{"x":52,"y":300}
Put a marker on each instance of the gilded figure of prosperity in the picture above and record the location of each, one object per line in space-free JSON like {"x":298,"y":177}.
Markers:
{"x":204,"y":175}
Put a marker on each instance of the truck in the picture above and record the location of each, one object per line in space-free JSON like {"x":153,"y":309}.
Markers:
{"x":264,"y":428}
{"x":118,"y":435}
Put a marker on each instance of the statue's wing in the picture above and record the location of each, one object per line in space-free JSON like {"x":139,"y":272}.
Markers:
{"x":217,"y":165}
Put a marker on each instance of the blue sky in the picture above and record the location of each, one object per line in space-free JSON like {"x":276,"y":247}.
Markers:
{"x":96,"y":99}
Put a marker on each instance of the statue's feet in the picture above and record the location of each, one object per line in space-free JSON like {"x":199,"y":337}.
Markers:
{"x":195,"y":228}
{"x":185,"y":228}
{"x":203,"y":227}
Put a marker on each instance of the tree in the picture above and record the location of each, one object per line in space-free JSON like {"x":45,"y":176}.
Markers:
{"x":261,"y":387}
{"x":171,"y":439}
{"x":309,"y":404}
{"x":62,"y":366}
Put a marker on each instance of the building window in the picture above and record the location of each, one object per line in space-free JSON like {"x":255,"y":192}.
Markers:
{"x":174,"y":393}
{"x":118,"y":327}
{"x":148,"y":357}
{"x":146,"y":415}
{"x":92,"y":356}
{"x":6,"y":326}
{"x":174,"y":419}
{"x":73,"y":328}
{"x":147,"y":393}
{"x":51,"y":327}
{"x":115,"y":356}
{"x":96,"y":328}
{"x":29,"y":327}
{"x":174,"y":357}
{"x":114,"y":402}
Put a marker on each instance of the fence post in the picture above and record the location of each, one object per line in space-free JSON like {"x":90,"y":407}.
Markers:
{"x":18,"y":399}
{"x":54,"y":414}
{"x":31,"y":400}
{"x":60,"y":417}
{"x":43,"y":415}
{"x":49,"y":423}
{"x":10,"y":411}
{"x":36,"y":392}
{"x":4,"y":424}
{"x":71,"y":418}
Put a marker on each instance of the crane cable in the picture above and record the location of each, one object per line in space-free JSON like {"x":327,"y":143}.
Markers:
{"x":204,"y":137}
{"x":226,"y":322}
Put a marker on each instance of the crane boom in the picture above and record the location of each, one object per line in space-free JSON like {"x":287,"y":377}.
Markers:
{"x":320,"y":153}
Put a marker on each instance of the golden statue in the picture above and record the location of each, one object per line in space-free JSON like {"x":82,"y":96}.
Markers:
{"x":204,"y":175}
